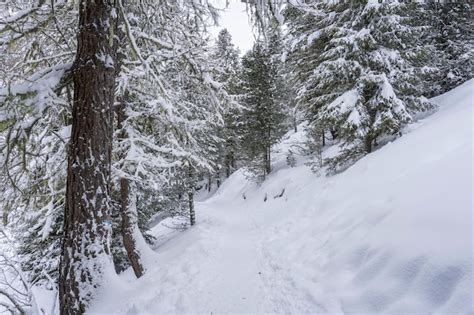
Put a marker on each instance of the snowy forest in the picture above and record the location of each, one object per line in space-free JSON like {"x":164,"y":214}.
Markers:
{"x":148,"y":166}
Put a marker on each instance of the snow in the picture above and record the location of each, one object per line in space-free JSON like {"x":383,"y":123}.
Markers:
{"x":392,"y":234}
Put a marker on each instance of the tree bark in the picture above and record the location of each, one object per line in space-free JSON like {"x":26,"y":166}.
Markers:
{"x":209,"y":182}
{"x":128,"y":211}
{"x":368,"y":143}
{"x":268,"y":163}
{"x":85,"y":255}
{"x":130,"y":226}
{"x":5,"y":217}
{"x":192,"y":213}
{"x":229,"y":163}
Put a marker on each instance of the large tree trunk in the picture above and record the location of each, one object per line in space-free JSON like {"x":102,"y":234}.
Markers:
{"x":85,"y":252}
{"x":130,"y":230}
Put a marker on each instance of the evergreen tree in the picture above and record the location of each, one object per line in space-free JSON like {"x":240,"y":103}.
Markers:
{"x":358,"y":71}
{"x":263,"y":117}
{"x":283,"y":92}
{"x":35,"y":102}
{"x":228,"y":64}
{"x":165,"y":56}
{"x":452,"y":34}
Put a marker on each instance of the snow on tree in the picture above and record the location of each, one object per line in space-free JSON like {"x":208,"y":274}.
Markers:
{"x":451,"y":33}
{"x":160,"y":131}
{"x":227,"y":71}
{"x":357,"y":76}
{"x":262,"y":118}
{"x":35,"y":101}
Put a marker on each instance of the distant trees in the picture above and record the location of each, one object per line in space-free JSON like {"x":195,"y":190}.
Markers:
{"x":227,"y":58}
{"x":263,"y":116}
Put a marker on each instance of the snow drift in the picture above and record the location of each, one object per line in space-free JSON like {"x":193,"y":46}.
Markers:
{"x":392,"y":234}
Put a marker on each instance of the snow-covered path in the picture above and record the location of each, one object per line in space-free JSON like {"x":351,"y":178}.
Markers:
{"x":238,"y":238}
{"x":385,"y":236}
{"x":246,"y":275}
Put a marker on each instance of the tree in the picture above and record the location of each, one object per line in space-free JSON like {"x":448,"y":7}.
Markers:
{"x":172,"y":104}
{"x":451,"y":33}
{"x":262,"y":116}
{"x":36,"y":116}
{"x":35,"y":99}
{"x":358,"y":69}
{"x":162,"y":77}
{"x":85,"y":253}
{"x":228,"y":64}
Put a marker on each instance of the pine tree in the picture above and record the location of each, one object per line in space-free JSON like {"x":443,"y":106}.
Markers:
{"x":228,"y":64}
{"x":262,"y":119}
{"x":359,"y":67}
{"x":452,"y":35}
{"x":283,"y":92}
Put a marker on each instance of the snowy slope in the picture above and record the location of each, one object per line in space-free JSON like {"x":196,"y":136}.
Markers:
{"x":392,"y":234}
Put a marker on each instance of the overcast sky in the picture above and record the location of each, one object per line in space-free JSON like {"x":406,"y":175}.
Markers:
{"x":235,"y":19}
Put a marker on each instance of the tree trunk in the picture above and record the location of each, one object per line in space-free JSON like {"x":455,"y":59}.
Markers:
{"x":268,"y":163}
{"x":130,"y":228}
{"x":209,"y":182}
{"x":5,"y":217}
{"x":229,"y":164}
{"x":192,"y":214}
{"x":368,"y":144}
{"x":232,"y":163}
{"x":227,"y":167}
{"x":85,"y":255}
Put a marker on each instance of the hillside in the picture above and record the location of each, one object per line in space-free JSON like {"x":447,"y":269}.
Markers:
{"x":392,"y":234}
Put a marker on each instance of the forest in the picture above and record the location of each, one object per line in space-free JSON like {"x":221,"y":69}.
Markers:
{"x":119,"y":118}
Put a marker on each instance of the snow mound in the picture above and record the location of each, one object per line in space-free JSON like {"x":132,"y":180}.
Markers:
{"x":392,"y":234}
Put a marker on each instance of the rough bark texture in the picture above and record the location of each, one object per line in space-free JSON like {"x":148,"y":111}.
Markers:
{"x":85,"y":252}
{"x":128,"y":208}
{"x":130,"y":227}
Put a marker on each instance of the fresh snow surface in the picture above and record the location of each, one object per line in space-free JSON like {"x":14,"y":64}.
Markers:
{"x":392,"y":234}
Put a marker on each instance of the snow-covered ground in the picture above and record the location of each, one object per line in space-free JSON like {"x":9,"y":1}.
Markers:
{"x":392,"y":234}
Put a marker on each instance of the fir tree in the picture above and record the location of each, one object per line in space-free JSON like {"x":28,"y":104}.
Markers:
{"x":358,"y":73}
{"x":228,"y":64}
{"x":452,"y":35}
{"x":263,"y":117}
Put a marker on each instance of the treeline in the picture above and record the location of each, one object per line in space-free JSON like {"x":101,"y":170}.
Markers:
{"x":132,"y":113}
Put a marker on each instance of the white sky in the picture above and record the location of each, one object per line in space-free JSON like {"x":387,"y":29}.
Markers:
{"x":235,"y":19}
